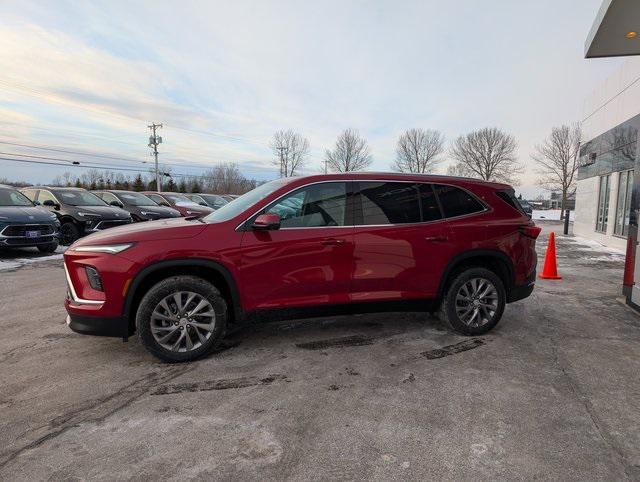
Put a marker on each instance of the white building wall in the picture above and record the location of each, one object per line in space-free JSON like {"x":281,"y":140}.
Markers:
{"x":587,"y":211}
{"x":612,"y":103}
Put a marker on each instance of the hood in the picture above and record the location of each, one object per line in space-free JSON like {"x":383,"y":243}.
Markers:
{"x":25,"y":214}
{"x":108,"y":212}
{"x":174,"y":228}
{"x":160,"y":210}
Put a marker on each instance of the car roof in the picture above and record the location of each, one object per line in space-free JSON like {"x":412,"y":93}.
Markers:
{"x":399,"y":176}
{"x":58,"y":188}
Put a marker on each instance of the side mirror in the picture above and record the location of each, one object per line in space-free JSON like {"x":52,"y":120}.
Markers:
{"x":266,"y":222}
{"x":116,"y":204}
{"x":49,"y":203}
{"x":202,"y":204}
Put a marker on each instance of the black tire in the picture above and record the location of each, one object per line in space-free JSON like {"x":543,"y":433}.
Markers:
{"x":69,"y":232}
{"x":167,"y":287}
{"x":48,"y":248}
{"x":449,"y":307}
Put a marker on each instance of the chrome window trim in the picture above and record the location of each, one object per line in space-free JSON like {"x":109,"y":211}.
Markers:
{"x":484,"y":204}
{"x":72,"y":291}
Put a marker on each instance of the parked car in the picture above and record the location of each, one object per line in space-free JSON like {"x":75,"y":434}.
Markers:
{"x":24,"y":225}
{"x":307,"y":246}
{"x":526,"y":207}
{"x":179,"y":202}
{"x":214,"y":201}
{"x":230,"y":197}
{"x":140,"y":206}
{"x":79,"y":211}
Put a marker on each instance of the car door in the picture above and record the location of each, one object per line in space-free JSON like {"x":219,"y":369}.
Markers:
{"x":401,"y":241}
{"x":308,"y":261}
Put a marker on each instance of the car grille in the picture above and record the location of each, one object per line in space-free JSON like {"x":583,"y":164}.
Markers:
{"x":111,"y":224}
{"x":20,"y":230}
{"x":28,"y":241}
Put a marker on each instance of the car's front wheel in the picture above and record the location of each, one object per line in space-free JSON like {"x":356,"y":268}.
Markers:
{"x":474,"y":301}
{"x":69,"y":232}
{"x":181,"y":318}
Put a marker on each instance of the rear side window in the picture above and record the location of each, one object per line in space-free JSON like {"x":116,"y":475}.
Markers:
{"x":30,"y":193}
{"x":429,"y":203}
{"x":456,"y":201}
{"x":388,"y":203}
{"x":510,"y":198}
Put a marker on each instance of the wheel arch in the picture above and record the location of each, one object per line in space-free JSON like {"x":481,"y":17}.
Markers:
{"x":209,"y":270}
{"x":492,"y":259}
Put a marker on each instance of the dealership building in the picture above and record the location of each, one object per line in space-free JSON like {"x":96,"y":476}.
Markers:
{"x":607,"y":195}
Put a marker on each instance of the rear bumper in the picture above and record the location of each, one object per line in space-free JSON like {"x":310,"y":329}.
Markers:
{"x":98,"y":326}
{"x":521,"y":292}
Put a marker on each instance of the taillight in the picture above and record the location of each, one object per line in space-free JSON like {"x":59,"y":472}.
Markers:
{"x":530,"y":231}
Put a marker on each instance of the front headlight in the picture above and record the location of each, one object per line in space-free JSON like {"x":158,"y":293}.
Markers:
{"x":103,"y":248}
{"x":148,"y":213}
{"x":87,"y":215}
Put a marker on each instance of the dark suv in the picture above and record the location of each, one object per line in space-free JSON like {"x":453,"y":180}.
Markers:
{"x":23,"y":225}
{"x":79,"y":211}
{"x":307,"y":246}
{"x":140,"y":206}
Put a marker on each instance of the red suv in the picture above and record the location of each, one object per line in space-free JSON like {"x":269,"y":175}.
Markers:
{"x":307,"y":246}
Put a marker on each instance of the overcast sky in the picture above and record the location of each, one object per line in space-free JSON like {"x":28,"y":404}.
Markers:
{"x":223,"y":76}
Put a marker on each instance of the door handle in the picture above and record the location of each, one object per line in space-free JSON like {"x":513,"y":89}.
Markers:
{"x":332,"y":242}
{"x":437,"y":239}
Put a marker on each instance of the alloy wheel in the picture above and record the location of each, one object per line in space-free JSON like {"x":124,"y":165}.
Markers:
{"x":183,"y":321}
{"x":476,"y":302}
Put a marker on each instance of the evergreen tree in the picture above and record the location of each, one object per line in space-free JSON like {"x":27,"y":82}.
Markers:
{"x":138,"y":184}
{"x":182,"y":186}
{"x":195,"y":186}
{"x":78,"y":183}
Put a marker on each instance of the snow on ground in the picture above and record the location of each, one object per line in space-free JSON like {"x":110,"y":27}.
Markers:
{"x":15,"y":258}
{"x":553,"y":214}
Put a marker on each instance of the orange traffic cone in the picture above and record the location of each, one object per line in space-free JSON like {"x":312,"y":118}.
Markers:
{"x":550,"y":270}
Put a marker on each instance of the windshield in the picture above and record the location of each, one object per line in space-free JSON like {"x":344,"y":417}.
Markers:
{"x":244,"y":202}
{"x":9,"y":197}
{"x":136,"y":199}
{"x":215,"y":200}
{"x":79,"y":198}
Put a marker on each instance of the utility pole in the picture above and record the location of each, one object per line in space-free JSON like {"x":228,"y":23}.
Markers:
{"x":283,"y":171}
{"x":154,"y":140}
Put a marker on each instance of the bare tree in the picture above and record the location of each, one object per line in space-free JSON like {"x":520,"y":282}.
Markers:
{"x":291,"y":150}
{"x":557,"y":159}
{"x":418,"y":150}
{"x":351,"y":153}
{"x":459,"y":170}
{"x":226,"y":178}
{"x":488,"y":154}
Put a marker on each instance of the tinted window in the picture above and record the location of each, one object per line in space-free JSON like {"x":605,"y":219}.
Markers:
{"x":158,"y":199}
{"x":78,"y":198}
{"x":457,"y":202}
{"x":389,"y":203}
{"x":107,"y":197}
{"x":13,"y":198}
{"x":318,"y":205}
{"x":429,"y":203}
{"x":135,"y":199}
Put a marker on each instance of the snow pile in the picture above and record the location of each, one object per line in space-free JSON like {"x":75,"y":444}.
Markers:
{"x":552,"y":214}
{"x":8,"y":261}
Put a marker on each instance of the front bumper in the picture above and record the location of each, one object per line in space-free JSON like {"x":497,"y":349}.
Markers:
{"x":99,"y":326}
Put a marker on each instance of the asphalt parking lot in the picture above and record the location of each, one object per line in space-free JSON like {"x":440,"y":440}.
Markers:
{"x":552,"y":393}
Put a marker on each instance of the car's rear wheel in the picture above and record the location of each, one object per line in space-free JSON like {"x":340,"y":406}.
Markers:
{"x":474,"y":301}
{"x":181,"y":318}
{"x":48,"y":248}
{"x":69,"y":232}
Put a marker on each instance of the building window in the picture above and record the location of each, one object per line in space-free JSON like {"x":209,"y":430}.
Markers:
{"x":603,"y":203}
{"x":625,"y":186}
